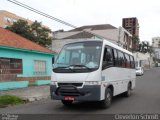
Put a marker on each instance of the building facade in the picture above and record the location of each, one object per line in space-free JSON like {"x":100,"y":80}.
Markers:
{"x":132,"y":26}
{"x":23,"y":60}
{"x":144,"y":60}
{"x":156,"y":48}
{"x":118,"y":36}
{"x":156,"y":42}
{"x":7,"y":19}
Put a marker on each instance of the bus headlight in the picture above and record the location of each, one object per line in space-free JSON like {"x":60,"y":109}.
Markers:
{"x":53,"y":82}
{"x":92,"y":83}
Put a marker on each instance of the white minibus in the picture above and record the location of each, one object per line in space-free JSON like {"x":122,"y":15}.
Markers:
{"x":92,"y":70}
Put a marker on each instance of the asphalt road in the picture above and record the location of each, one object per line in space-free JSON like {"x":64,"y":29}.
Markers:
{"x":144,"y":99}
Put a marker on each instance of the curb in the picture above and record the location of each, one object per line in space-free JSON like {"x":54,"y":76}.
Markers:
{"x":32,"y":99}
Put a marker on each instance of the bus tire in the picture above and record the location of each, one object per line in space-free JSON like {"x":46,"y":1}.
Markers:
{"x":128,"y":92}
{"x":106,"y":103}
{"x":67,"y":103}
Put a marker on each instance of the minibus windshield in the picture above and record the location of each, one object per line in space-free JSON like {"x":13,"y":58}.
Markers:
{"x":79,"y":57}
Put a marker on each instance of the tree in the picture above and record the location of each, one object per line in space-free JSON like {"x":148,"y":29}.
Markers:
{"x":34,"y":32}
{"x":135,"y":40}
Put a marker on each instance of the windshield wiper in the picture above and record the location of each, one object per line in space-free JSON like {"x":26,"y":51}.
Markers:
{"x":64,"y":68}
{"x":81,"y":66}
{"x":72,"y":67}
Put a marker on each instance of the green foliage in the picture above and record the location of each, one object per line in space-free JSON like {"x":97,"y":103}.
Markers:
{"x":135,"y":42}
{"x":10,"y":100}
{"x":145,"y":47}
{"x":34,"y":32}
{"x":135,"y":39}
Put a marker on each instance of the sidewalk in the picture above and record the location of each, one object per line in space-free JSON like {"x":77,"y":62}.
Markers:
{"x":31,"y":93}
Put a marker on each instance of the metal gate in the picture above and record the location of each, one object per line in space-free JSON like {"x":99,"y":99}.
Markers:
{"x":5,"y":74}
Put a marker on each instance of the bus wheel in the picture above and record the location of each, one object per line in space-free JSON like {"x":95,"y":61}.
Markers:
{"x":108,"y":99}
{"x":129,"y":90}
{"x":67,"y":103}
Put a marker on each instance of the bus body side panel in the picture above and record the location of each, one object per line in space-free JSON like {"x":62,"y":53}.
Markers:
{"x":118,"y":78}
{"x":133,"y":78}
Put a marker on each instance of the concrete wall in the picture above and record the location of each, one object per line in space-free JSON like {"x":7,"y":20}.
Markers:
{"x":61,"y":35}
{"x":143,"y":60}
{"x":13,"y":85}
{"x":108,"y":33}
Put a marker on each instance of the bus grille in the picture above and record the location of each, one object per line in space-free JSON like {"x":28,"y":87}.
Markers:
{"x":73,"y":84}
{"x":69,"y":90}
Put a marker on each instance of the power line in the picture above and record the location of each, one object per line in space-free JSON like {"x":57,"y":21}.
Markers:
{"x":41,"y":13}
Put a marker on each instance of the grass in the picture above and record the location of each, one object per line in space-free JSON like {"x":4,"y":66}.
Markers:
{"x":6,"y":100}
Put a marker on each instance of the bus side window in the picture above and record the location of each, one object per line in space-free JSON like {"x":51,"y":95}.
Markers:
{"x":115,"y":57}
{"x":132,"y":62}
{"x":108,"y":57}
{"x":121,"y":60}
{"x":123,"y":64}
{"x":127,"y":61}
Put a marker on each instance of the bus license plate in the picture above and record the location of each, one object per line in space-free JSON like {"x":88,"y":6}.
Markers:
{"x":68,"y":98}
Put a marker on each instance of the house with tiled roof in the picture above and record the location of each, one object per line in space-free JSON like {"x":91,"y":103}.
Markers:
{"x":22,"y":60}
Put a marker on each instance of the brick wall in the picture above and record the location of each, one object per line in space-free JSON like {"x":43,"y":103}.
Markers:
{"x":33,"y":79}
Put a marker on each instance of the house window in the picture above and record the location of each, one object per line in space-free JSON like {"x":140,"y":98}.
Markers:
{"x":16,"y":66}
{"x":39,"y":66}
{"x":11,"y":66}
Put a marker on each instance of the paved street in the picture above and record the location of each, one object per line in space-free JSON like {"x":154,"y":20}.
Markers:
{"x":145,"y":99}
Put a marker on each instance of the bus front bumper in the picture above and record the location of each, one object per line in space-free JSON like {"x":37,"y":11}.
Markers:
{"x":87,"y":93}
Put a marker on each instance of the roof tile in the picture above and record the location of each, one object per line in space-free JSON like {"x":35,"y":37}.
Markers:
{"x":10,"y":39}
{"x":94,"y":27}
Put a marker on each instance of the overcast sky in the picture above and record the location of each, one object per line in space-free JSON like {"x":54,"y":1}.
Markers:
{"x":91,"y":12}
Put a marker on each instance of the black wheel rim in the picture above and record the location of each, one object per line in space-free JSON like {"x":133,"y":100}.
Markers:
{"x":108,"y":98}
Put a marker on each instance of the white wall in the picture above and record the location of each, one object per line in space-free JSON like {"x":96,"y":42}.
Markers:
{"x":156,"y":53}
{"x":60,"y":35}
{"x":146,"y":58}
{"x":155,"y":42}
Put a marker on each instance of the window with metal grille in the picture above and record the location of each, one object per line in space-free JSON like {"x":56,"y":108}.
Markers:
{"x":11,"y":66}
{"x":16,"y":66}
{"x":39,"y":66}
